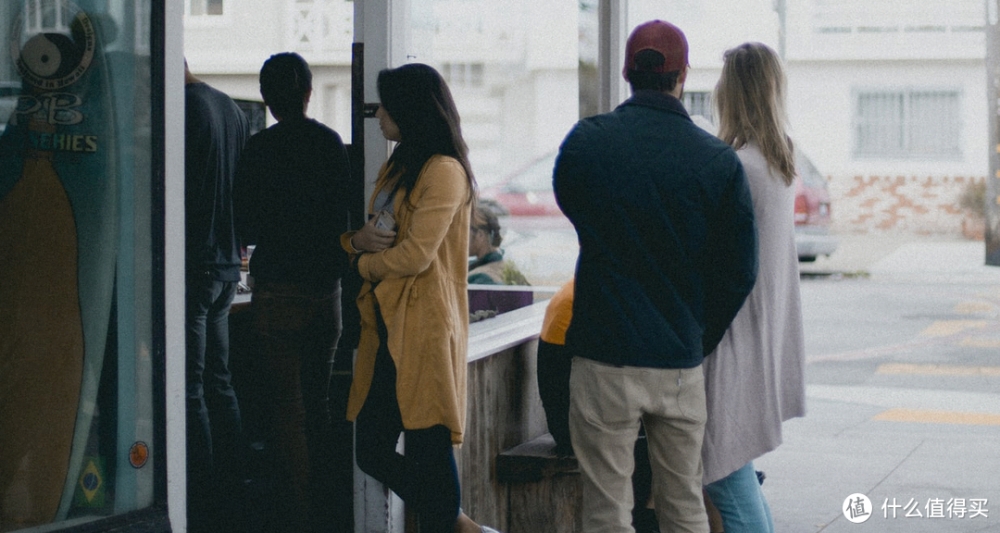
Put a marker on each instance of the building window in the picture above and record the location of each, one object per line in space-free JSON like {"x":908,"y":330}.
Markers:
{"x":463,"y":74}
{"x":198,"y":8}
{"x":698,"y":103}
{"x":907,"y":124}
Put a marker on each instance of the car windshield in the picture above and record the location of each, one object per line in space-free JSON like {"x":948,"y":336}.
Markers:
{"x":807,"y":171}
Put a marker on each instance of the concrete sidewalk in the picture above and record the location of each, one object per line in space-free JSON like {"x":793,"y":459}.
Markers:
{"x":925,"y":449}
{"x":900,"y":256}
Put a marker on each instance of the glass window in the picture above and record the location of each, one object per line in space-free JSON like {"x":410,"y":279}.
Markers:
{"x":909,"y":124}
{"x":514,"y":69}
{"x":76,"y":334}
{"x":698,"y":103}
{"x":463,"y":74}
{"x":197,"y":8}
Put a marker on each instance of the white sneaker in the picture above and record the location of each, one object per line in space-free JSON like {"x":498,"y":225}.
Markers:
{"x":487,"y":529}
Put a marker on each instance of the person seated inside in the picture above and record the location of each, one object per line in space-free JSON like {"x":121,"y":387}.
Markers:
{"x":489,"y":266}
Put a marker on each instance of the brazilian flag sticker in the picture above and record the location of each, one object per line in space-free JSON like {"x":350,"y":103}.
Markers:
{"x":90,"y":489}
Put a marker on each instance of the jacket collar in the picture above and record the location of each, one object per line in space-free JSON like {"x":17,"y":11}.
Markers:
{"x":657,"y":100}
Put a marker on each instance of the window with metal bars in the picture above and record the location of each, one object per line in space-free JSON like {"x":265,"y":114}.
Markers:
{"x":907,"y":124}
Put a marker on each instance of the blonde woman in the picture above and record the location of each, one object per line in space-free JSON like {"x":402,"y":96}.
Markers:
{"x":754,"y":379}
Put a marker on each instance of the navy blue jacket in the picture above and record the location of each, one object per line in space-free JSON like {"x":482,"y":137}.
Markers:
{"x":668,"y":245}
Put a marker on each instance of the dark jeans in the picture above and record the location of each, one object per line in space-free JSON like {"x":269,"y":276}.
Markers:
{"x":297,"y":329}
{"x":214,"y":425}
{"x":553,"y":364}
{"x":426,"y":477}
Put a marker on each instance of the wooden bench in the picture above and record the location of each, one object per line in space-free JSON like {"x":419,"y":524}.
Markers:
{"x":543,"y":489}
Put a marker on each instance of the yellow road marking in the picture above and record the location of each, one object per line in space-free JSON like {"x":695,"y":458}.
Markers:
{"x":938,"y":417}
{"x":937,"y":370}
{"x":974,"y":342}
{"x":945,"y":328}
{"x":972,"y":308}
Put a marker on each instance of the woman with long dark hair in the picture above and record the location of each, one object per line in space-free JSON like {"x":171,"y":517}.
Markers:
{"x":754,"y":380}
{"x":413,"y":256}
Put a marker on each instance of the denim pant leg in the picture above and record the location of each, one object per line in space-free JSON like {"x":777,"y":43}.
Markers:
{"x":741,"y":502}
{"x":213,"y":417}
{"x":431,"y":463}
{"x":220,"y":398}
{"x":426,"y":477}
{"x":199,"y":436}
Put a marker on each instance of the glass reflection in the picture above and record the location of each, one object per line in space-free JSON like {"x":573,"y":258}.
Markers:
{"x":74,"y":261}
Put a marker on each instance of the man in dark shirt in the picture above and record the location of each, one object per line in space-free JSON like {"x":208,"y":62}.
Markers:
{"x":291,"y":199}
{"x":668,"y":253}
{"x":215,"y":132}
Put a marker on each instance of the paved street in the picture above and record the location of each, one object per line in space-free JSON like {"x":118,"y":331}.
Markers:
{"x":903,"y":383}
{"x":903,"y":387}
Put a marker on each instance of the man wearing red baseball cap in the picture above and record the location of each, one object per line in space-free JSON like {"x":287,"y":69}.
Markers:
{"x":668,"y":253}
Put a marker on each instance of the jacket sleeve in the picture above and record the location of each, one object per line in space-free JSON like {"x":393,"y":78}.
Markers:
{"x":569,"y":175}
{"x":440,"y":192}
{"x":732,"y":266}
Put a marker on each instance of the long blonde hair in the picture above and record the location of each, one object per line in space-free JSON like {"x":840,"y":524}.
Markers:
{"x":750,"y":103}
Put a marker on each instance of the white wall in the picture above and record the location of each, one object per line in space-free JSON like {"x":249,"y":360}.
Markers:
{"x":820,"y":107}
{"x":237,"y":42}
{"x":529,"y":50}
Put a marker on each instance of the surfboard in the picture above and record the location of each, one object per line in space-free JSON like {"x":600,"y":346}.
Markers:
{"x":58,"y":249}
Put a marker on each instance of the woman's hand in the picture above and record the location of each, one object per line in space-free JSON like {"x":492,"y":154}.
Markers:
{"x":372,"y":239}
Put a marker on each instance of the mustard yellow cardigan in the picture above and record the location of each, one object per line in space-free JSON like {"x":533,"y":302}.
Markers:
{"x":422,"y":293}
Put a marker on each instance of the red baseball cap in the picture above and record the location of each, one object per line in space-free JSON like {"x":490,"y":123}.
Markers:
{"x":659,"y":36}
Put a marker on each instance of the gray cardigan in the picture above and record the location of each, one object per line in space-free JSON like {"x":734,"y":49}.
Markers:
{"x":754,"y":380}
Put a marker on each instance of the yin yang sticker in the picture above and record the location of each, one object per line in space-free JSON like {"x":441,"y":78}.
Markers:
{"x":53,"y":44}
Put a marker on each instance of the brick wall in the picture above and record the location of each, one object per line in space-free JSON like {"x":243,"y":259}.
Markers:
{"x":893,"y":204}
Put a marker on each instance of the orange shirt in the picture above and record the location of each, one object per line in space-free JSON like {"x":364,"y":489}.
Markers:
{"x":558,"y":315}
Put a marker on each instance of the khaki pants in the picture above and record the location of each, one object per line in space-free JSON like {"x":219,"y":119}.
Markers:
{"x":606,"y":406}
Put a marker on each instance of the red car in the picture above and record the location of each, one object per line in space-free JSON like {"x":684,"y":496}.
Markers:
{"x":528,"y":193}
{"x":812,"y":212}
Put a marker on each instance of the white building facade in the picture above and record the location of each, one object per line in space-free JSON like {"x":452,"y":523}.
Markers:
{"x":512,"y":66}
{"x":889,"y":99}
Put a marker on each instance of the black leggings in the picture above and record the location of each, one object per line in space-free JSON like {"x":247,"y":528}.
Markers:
{"x":426,"y":477}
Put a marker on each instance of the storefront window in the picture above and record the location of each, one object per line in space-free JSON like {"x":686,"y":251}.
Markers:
{"x":514,"y":69}
{"x":76,"y":392}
